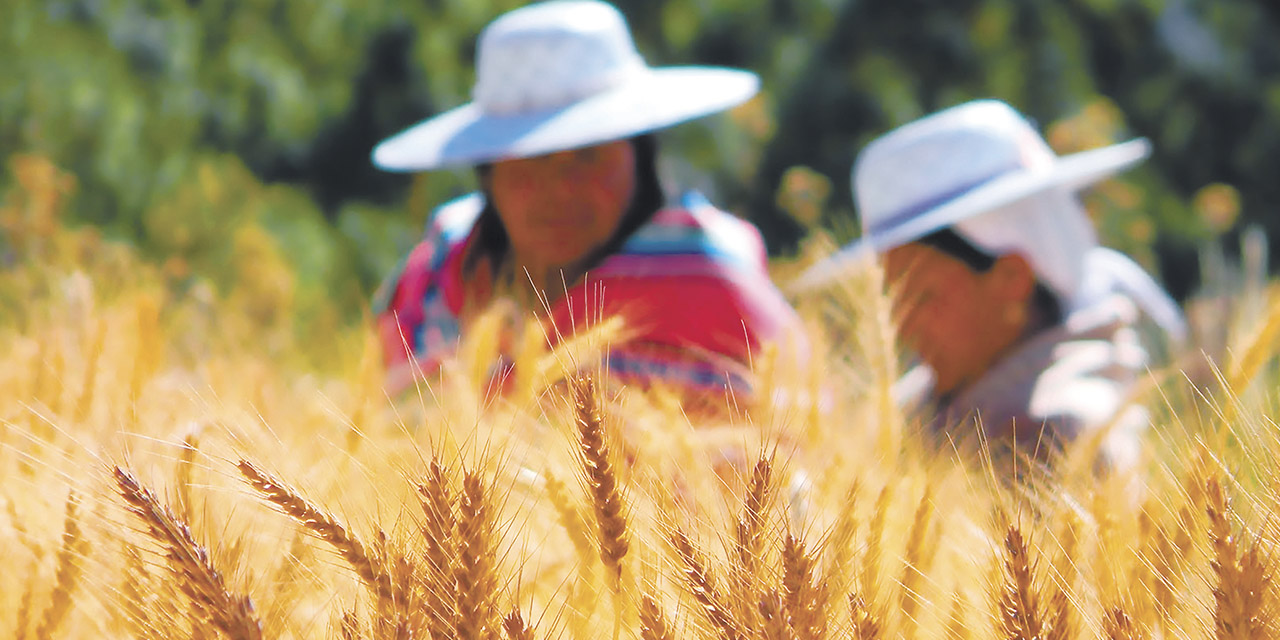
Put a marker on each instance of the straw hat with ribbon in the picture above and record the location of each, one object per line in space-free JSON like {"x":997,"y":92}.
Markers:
{"x":983,"y":171}
{"x":560,"y":75}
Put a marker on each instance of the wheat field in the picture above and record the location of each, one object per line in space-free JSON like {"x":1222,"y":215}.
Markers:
{"x":180,"y":463}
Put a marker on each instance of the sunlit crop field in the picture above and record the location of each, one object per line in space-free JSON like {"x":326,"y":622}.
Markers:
{"x":180,"y":462}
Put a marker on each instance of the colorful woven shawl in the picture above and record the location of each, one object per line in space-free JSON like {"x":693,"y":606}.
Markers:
{"x":691,"y":285}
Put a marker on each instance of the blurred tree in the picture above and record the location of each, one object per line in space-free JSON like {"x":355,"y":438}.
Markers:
{"x":136,"y":98}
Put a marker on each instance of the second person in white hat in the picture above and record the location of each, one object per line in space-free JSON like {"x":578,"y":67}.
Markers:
{"x":1024,"y":325}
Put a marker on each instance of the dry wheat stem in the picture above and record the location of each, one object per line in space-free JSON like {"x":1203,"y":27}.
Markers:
{"x":1242,"y":574}
{"x":800,"y":593}
{"x":1019,"y":604}
{"x":916,"y":557}
{"x":475,"y":574}
{"x":601,"y":477}
{"x":1117,"y":625}
{"x":322,"y":525}
{"x":956,"y":628}
{"x":866,"y":624}
{"x":231,"y":613}
{"x":702,"y":585}
{"x":653,"y":623}
{"x":68,"y":571}
{"x":750,"y":525}
{"x":439,"y":531}
{"x":513,"y":623}
{"x":349,"y":627}
{"x":774,"y":624}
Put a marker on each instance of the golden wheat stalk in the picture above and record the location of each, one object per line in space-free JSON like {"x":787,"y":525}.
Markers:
{"x":917,"y":557}
{"x":1242,"y":575}
{"x":513,"y":623}
{"x":839,"y":545}
{"x":801,"y":601}
{"x":870,"y":572}
{"x":653,"y":623}
{"x":94,"y":351}
{"x":956,"y":628}
{"x":67,"y":574}
{"x":186,"y":474}
{"x":1260,"y":349}
{"x":349,"y":626}
{"x":23,"y":625}
{"x":601,"y":477}
{"x":702,"y":586}
{"x":572,"y":522}
{"x":439,"y":530}
{"x":133,"y":611}
{"x":1117,"y":625}
{"x":774,"y":624}
{"x":749,"y":533}
{"x":1019,"y":604}
{"x":322,"y":525}
{"x":231,"y":613}
{"x":866,"y":624}
{"x":475,"y":573}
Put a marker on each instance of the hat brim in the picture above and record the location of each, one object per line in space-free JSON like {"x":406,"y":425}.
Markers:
{"x":653,"y":99}
{"x":1071,"y":172}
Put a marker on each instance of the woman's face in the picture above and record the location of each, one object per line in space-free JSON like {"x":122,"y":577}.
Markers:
{"x":560,"y":207}
{"x":958,"y":320}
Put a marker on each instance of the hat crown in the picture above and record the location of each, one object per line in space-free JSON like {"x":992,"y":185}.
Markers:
{"x":920,"y":168}
{"x":551,"y":54}
{"x":938,"y":158}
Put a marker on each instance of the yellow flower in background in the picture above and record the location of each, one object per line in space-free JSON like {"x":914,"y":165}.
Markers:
{"x":1218,"y":205}
{"x":803,"y":193}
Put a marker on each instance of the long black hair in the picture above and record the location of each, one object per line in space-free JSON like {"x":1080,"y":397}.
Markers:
{"x":492,"y":243}
{"x":953,"y":244}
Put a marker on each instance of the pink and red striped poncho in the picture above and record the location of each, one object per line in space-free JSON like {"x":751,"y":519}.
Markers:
{"x":690,"y":284}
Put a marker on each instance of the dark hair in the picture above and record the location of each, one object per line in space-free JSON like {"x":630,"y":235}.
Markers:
{"x":953,"y":244}
{"x":492,"y":242}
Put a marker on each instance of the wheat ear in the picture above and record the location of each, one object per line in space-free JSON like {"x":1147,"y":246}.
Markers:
{"x":231,"y":613}
{"x":800,"y":594}
{"x":774,"y":624}
{"x":702,"y":585}
{"x":94,"y":352}
{"x":513,"y":623}
{"x":1020,"y":615}
{"x":67,"y":574}
{"x":749,"y":540}
{"x":22,"y":626}
{"x":1242,"y":576}
{"x":349,"y":627}
{"x":653,"y":624}
{"x":601,"y":477}
{"x":866,"y":624}
{"x":320,"y":524}
{"x":956,"y":628}
{"x":869,"y":578}
{"x":917,"y":558}
{"x":571,"y":521}
{"x":1117,"y":625}
{"x":475,"y":572}
{"x":186,"y":473}
{"x":439,"y":531}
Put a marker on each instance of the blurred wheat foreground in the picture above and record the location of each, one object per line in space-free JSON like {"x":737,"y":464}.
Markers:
{"x":172,"y":470}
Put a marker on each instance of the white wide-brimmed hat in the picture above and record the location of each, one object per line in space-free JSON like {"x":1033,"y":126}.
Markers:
{"x":560,"y":75}
{"x":966,"y":168}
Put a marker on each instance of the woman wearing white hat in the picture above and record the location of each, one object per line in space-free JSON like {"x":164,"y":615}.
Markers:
{"x":1000,"y":287}
{"x":571,"y":207}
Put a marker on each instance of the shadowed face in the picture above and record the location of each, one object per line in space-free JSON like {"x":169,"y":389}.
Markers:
{"x":559,"y":208}
{"x":958,"y":320}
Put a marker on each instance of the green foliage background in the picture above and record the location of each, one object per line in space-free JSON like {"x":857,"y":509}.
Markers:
{"x":229,"y":140}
